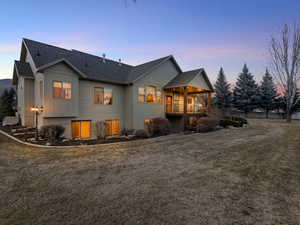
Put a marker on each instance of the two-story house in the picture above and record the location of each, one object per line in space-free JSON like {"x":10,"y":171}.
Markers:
{"x":76,"y":89}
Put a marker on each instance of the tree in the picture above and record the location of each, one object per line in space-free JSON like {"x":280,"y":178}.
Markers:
{"x":268,"y":93}
{"x":7,"y":103}
{"x":223,"y":93}
{"x":285,"y":58}
{"x":245,"y":94}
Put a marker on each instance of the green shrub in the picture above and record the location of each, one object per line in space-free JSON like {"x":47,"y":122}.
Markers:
{"x":141,"y":133}
{"x":158,"y":126}
{"x":52,"y":132}
{"x":206,"y":124}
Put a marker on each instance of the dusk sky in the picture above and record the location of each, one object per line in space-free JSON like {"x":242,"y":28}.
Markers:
{"x":199,"y":33}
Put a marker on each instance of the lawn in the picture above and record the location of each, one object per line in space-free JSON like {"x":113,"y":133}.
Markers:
{"x":229,"y":177}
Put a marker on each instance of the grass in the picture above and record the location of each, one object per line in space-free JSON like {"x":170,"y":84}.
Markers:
{"x":232,"y":176}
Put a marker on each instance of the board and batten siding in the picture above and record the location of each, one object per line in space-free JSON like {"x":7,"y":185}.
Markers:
{"x":56,"y":107}
{"x":159,"y":77}
{"x":199,"y":82}
{"x":28,"y":102}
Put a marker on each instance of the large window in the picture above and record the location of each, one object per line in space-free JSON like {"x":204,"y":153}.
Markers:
{"x":62,"y":90}
{"x":158,"y":95}
{"x":149,"y":94}
{"x":81,"y":129}
{"x":103,"y":96}
{"x":112,"y":127}
{"x":141,"y":94}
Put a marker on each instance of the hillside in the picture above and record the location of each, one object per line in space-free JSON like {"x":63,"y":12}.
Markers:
{"x":5,"y":83}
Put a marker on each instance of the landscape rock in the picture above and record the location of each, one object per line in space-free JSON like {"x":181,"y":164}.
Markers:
{"x":10,"y":120}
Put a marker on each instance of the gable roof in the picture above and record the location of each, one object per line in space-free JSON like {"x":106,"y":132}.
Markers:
{"x":139,"y":71}
{"x":21,"y":69}
{"x":89,"y":66}
{"x":184,"y":79}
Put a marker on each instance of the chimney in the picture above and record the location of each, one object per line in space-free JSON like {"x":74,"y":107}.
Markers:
{"x":103,"y":56}
{"x":120,"y":62}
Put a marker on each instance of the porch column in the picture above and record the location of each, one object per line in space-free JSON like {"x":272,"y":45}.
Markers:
{"x":209,"y":102}
{"x":185,"y":116}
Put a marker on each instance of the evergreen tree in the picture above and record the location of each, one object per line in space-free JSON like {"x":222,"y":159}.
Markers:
{"x":245,"y":93}
{"x":223,"y":94}
{"x":7,"y":103}
{"x":268,"y":93}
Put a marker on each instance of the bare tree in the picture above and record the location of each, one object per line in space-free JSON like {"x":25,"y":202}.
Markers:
{"x":285,"y":56}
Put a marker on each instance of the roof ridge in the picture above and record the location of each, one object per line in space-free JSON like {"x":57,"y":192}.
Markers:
{"x":89,"y":54}
{"x":161,"y":58}
{"x":54,"y":46}
{"x":194,"y":70}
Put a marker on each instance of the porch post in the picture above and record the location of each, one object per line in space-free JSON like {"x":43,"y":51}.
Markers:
{"x":209,"y":102}
{"x":185,"y":117}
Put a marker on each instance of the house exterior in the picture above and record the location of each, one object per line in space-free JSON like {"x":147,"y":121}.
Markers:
{"x":76,"y":89}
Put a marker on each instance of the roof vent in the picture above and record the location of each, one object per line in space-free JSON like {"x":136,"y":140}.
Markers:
{"x":120,"y":62}
{"x":103,"y":56}
{"x":38,"y":53}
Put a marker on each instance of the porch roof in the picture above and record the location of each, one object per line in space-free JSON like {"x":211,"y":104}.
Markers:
{"x":194,"y":78}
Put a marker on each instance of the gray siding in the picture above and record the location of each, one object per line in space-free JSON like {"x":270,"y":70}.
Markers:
{"x":158,"y":77}
{"x":199,"y":82}
{"x":28,"y":102}
{"x":55,"y":107}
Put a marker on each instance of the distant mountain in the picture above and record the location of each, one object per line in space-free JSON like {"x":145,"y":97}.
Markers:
{"x":5,"y":83}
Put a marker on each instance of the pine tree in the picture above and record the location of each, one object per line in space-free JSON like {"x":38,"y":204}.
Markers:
{"x":7,"y":103}
{"x":246,"y":92}
{"x":223,"y":94}
{"x":268,"y":93}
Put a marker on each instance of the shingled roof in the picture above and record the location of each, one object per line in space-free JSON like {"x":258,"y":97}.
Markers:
{"x":92,"y":67}
{"x":183,"y":79}
{"x":23,"y":69}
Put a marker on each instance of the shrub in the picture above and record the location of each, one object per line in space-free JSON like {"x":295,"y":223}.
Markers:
{"x":141,"y":133}
{"x":226,"y":122}
{"x":158,"y":126}
{"x":100,"y":129}
{"x":127,"y":132}
{"x":238,"y":119}
{"x":206,"y":124}
{"x":52,"y":132}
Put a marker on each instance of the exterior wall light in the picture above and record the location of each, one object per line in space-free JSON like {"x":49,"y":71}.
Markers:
{"x":37,"y":110}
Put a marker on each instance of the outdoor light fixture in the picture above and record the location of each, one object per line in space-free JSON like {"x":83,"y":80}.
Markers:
{"x":37,"y":110}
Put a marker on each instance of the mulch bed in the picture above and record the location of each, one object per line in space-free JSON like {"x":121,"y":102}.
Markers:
{"x":64,"y":142}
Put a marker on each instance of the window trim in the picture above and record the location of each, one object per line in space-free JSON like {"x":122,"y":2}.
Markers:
{"x":156,"y":89}
{"x":103,"y":98}
{"x":62,"y":90}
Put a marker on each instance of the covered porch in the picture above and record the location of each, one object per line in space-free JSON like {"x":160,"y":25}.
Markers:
{"x":188,"y":95}
{"x":187,"y":100}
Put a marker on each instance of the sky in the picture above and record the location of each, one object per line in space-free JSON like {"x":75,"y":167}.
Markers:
{"x":198,"y":33}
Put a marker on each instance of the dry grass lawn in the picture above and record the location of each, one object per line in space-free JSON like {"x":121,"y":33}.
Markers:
{"x":232,"y":176}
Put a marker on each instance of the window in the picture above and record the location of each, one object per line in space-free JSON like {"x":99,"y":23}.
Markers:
{"x":142,"y":94}
{"x":112,"y":127}
{"x":150,"y":94}
{"x":99,"y":95}
{"x":62,"y":90}
{"x":107,"y":96}
{"x":103,"y":96}
{"x":81,"y":129}
{"x":158,"y":95}
{"x":146,"y":124}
